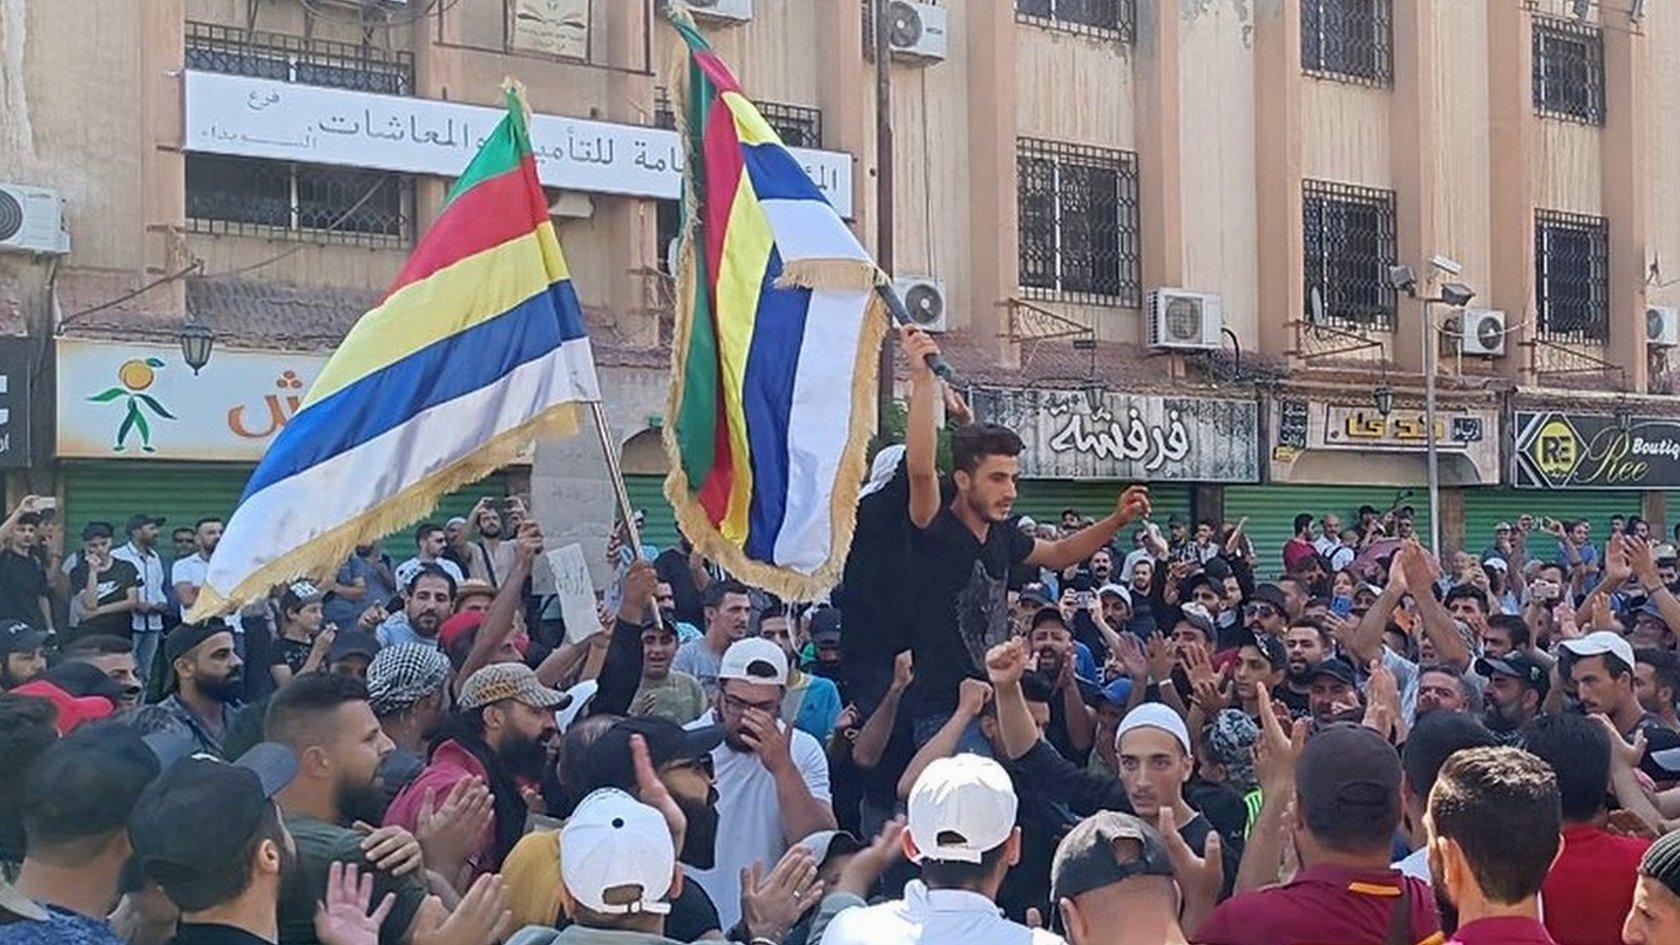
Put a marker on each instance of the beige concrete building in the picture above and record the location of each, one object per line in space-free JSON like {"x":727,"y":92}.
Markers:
{"x":1056,"y":164}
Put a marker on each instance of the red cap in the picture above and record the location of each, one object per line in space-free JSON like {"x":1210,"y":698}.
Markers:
{"x":456,"y":626}
{"x":73,"y":711}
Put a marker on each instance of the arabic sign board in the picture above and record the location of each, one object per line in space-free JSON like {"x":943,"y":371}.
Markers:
{"x":1301,"y":427}
{"x":1585,"y":451}
{"x":1161,"y":439}
{"x":551,"y":27}
{"x":141,"y":401}
{"x":16,"y":354}
{"x":1363,"y":428}
{"x":252,"y":117}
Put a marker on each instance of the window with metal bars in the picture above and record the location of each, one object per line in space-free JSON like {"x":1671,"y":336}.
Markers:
{"x":1104,"y":19}
{"x":309,"y":202}
{"x":1350,"y":243}
{"x":1568,"y":70}
{"x":214,"y":47}
{"x":1349,"y":40}
{"x":1077,"y":216}
{"x":1572,"y":276}
{"x":797,"y":125}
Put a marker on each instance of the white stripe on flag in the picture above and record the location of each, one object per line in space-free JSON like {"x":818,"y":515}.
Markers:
{"x":806,"y":229}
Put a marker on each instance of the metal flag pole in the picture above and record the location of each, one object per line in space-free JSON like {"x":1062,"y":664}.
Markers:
{"x":609,"y":450}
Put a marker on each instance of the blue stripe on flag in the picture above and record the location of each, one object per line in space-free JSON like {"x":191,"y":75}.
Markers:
{"x":436,"y":374}
{"x":776,"y":175}
{"x":767,"y":401}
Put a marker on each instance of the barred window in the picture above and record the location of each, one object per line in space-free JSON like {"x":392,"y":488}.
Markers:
{"x":1351,"y":40}
{"x":1350,"y":243}
{"x":1105,"y":19}
{"x":310,"y":202}
{"x":1572,"y":276}
{"x":213,"y":47}
{"x":1568,"y":70}
{"x":1078,"y":223}
{"x":797,"y":125}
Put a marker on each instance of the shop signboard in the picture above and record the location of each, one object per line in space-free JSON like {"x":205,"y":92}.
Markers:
{"x":1127,"y":436}
{"x":1564,"y":450}
{"x":16,"y":355}
{"x":1300,"y":427}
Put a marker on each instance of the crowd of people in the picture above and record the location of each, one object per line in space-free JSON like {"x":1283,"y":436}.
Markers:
{"x":1098,"y":731}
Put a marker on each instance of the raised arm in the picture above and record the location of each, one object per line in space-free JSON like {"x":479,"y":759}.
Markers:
{"x":877,"y":730}
{"x":1366,"y":638}
{"x":498,"y":620}
{"x":972,"y":697}
{"x":1440,"y":625}
{"x":1006,"y":663}
{"x":921,"y":435}
{"x":1645,"y":570}
{"x":1133,"y":504}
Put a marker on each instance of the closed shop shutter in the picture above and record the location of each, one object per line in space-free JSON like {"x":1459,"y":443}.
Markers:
{"x":647,"y":493}
{"x":1044,"y":499}
{"x":1486,"y":508}
{"x":183,"y":493}
{"x":1271,"y":512}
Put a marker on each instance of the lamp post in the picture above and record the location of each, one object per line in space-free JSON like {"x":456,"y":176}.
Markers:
{"x":1455,"y":295}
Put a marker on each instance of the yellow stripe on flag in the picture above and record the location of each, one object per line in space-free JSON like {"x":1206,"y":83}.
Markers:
{"x":746,"y":255}
{"x":448,"y":302}
{"x":750,"y":126}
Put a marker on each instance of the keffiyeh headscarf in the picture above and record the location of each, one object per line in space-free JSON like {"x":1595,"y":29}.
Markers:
{"x":402,"y":675}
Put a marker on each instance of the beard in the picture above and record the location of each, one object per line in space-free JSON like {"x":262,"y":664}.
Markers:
{"x":490,"y":528}
{"x":1500,"y":718}
{"x":227,"y":689}
{"x":1443,"y":898}
{"x":1301,"y":676}
{"x":365,"y":802}
{"x":523,"y":756}
{"x":1049,"y":665}
{"x":426,"y":624}
{"x":699,"y":848}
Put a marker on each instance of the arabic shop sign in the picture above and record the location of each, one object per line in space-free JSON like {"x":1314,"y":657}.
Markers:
{"x":1303,"y":428}
{"x":1587,"y":451}
{"x":1363,"y":428}
{"x":16,"y":356}
{"x":141,"y":401}
{"x":1125,"y":436}
{"x":243,"y":115}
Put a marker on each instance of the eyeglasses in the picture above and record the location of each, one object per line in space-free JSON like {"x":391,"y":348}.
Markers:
{"x":740,"y":706}
{"x":1263,"y":611}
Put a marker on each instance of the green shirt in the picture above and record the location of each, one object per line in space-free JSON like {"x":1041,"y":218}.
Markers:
{"x":678,"y":697}
{"x":319,"y":845}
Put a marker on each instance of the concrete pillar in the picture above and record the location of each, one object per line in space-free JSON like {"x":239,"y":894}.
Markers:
{"x":1412,"y":129}
{"x":1625,"y":189}
{"x":1161,"y":199}
{"x":993,"y":244}
{"x":162,"y":185}
{"x":1277,"y":153}
{"x":1513,"y":131}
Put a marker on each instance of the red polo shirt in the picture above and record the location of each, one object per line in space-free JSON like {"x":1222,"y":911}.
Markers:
{"x":1589,"y":891}
{"x":1324,"y":905}
{"x":1508,"y":930}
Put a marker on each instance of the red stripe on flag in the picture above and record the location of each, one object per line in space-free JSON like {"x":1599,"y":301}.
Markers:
{"x":715,"y":70}
{"x":724,"y":168}
{"x":476,"y":221}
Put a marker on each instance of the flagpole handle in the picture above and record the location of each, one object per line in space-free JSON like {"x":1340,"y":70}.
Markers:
{"x":901,"y":316}
{"x":609,"y":450}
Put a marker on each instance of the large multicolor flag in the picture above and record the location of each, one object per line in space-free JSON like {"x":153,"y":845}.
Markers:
{"x":778,"y":329}
{"x":477,"y":347}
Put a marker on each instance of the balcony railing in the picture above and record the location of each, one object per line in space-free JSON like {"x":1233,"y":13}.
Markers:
{"x":213,"y":47}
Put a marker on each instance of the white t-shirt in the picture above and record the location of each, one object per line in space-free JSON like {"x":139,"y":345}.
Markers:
{"x":932,"y":917}
{"x":749,"y":816}
{"x":189,"y":570}
{"x":700,"y":661}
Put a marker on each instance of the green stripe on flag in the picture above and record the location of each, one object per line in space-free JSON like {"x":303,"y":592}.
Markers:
{"x":697,"y":415}
{"x":502,"y":151}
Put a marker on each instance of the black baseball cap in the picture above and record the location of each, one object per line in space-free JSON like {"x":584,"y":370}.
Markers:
{"x":1337,"y":668}
{"x":85,"y":679}
{"x":188,"y":635}
{"x":87,"y":783}
{"x":825,"y":625}
{"x":94,"y":530}
{"x":1348,"y":774}
{"x":142,"y":519}
{"x":607,"y":763}
{"x":176,"y":842}
{"x":1269,"y":646}
{"x":1105,"y":849}
{"x":1044,"y":615}
{"x":19,"y":637}
{"x":1517,"y":665}
{"x":1271,"y":594}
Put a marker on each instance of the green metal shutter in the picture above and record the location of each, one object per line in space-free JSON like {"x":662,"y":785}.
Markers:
{"x":647,"y":493}
{"x":1485,"y":508}
{"x":1044,"y":499}
{"x":183,"y":493}
{"x":1271,"y":511}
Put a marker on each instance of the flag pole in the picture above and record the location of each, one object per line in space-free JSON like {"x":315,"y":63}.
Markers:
{"x":609,"y":450}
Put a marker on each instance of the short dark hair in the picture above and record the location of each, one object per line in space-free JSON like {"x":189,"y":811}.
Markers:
{"x":1613,"y":664}
{"x":95,"y":644}
{"x":1502,"y":807}
{"x":294,"y":710}
{"x":1464,"y":688}
{"x":432,"y":569}
{"x":424,"y":530}
{"x":1665,"y":667}
{"x":207,"y":520}
{"x":1433,"y":740}
{"x":718,"y":590}
{"x":1303,"y":520}
{"x":947,"y":874}
{"x":1579,"y":753}
{"x":29,"y":518}
{"x":182,"y":530}
{"x":972,"y":443}
{"x":1467,"y":592}
{"x":1514,"y":625}
{"x":1313,"y":623}
{"x":229,"y":880}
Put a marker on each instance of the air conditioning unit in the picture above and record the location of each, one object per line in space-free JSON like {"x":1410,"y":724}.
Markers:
{"x":32,"y":220}
{"x":1662,"y":326}
{"x":1481,"y":333}
{"x":924,"y":299}
{"x":1182,"y":319}
{"x":917,"y":30}
{"x":733,"y":10}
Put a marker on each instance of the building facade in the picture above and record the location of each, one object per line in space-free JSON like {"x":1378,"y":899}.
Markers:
{"x":1074,"y":183}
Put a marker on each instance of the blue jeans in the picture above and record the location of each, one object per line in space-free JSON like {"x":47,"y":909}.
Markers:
{"x":972,"y":739}
{"x":145,"y":653}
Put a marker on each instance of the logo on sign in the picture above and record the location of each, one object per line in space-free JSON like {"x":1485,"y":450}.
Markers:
{"x":1556,"y":449}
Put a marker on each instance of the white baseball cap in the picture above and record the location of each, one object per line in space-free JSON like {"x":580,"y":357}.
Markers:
{"x":755,"y":660}
{"x":1600,"y":642}
{"x":960,"y":808}
{"x":616,"y":855}
{"x":1117,"y":590}
{"x":580,"y":696}
{"x":1154,"y":715}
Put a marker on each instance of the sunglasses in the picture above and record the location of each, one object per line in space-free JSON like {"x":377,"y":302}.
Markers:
{"x":1260,"y":610}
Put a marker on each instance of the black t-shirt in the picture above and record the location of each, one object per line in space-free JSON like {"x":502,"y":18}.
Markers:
{"x":22,"y":585}
{"x":292,"y":653}
{"x":1298,"y":703}
{"x":202,"y":933}
{"x":961,"y":604}
{"x":672,"y":567}
{"x":114,"y":584}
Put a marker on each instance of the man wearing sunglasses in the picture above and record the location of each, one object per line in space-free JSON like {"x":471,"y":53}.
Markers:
{"x":1266,"y":611}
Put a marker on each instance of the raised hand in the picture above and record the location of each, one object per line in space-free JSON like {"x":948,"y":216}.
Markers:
{"x":641,"y":582}
{"x":1133,"y":658}
{"x":342,"y":918}
{"x":1132,"y":504}
{"x":1624,"y":754}
{"x":482,"y":915}
{"x":1644,"y":562}
{"x":1161,"y":658}
{"x":904,"y":671}
{"x":1201,"y":878}
{"x":772,"y":905}
{"x":1276,"y":750}
{"x":859,"y":876}
{"x":451,"y":832}
{"x":1006,"y":663}
{"x":528,"y":544}
{"x":917,"y":345}
{"x":972,"y":696}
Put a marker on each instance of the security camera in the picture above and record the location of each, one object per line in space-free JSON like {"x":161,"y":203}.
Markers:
{"x":1457,"y":294}
{"x":1402,"y":278}
{"x":1447,"y":265}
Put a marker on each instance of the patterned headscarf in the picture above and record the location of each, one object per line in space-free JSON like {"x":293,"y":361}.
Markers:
{"x":1231,"y":737}
{"x":402,"y":675}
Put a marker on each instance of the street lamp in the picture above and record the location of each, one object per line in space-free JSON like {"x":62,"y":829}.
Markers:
{"x":1455,"y":295}
{"x":196,"y":343}
{"x":1383,"y":397}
